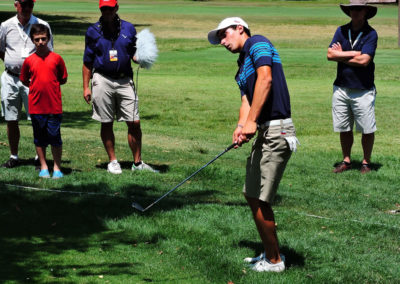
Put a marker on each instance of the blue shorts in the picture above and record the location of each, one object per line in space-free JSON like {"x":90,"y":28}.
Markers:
{"x":46,"y":129}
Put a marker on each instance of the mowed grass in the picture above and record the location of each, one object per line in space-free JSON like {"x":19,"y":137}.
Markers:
{"x":332,"y":228}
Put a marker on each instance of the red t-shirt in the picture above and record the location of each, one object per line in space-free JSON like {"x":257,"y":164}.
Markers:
{"x":44,"y":76}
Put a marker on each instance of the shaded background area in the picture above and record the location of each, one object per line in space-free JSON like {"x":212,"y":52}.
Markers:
{"x":36,"y":225}
{"x":60,"y":25}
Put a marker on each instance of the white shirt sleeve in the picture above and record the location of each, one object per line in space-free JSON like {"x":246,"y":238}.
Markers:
{"x":2,"y":39}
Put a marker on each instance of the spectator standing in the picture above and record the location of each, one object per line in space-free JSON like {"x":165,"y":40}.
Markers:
{"x":109,"y":49}
{"x":15,"y":46}
{"x":43,"y":72}
{"x":353,"y":48}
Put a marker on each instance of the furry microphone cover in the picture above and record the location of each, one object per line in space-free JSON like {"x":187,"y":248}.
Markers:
{"x":146,"y":49}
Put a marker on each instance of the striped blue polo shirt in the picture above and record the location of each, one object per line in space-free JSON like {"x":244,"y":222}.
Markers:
{"x":258,"y":51}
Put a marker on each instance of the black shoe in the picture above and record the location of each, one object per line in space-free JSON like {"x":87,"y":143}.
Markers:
{"x":11,"y":163}
{"x":37,"y":165}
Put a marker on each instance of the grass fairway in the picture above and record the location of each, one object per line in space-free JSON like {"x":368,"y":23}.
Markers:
{"x":332,"y":228}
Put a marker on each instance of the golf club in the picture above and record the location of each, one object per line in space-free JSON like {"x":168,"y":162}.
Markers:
{"x":140,"y":208}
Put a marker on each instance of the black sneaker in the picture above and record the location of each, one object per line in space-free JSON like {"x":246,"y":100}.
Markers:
{"x":11,"y":163}
{"x":37,"y":164}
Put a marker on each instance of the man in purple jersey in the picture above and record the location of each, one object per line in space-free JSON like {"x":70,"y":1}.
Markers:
{"x":110,"y":46}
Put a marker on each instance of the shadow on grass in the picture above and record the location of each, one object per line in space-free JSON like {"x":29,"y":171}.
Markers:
{"x":356,"y":166}
{"x":31,"y":162}
{"x":82,"y":119}
{"x":62,"y":24}
{"x":77,"y":119}
{"x":292,"y":257}
{"x":147,"y":195}
{"x":38,"y":225}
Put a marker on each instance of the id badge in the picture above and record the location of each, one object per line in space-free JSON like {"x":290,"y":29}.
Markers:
{"x":24,"y":52}
{"x":113,"y":55}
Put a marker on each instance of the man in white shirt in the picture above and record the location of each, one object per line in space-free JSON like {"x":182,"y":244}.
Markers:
{"x":15,"y":46}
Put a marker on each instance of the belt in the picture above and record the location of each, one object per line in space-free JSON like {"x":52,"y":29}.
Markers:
{"x":113,"y":76}
{"x":12,"y":73}
{"x":275,"y":122}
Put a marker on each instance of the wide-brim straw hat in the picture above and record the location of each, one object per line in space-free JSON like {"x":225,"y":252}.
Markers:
{"x":371,"y":10}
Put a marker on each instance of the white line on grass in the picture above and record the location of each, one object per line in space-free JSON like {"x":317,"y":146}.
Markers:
{"x":61,"y":191}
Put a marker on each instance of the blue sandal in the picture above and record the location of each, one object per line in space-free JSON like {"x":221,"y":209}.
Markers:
{"x":44,"y":173}
{"x":57,"y":174}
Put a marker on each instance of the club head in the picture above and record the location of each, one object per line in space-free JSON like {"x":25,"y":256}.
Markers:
{"x":137,"y":206}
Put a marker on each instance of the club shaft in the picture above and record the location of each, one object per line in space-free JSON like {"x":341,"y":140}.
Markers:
{"x":192,"y":175}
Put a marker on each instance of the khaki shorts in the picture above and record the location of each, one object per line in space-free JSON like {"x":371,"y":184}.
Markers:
{"x":267,"y":162}
{"x":13,"y":95}
{"x":349,"y":105}
{"x":114,"y":98}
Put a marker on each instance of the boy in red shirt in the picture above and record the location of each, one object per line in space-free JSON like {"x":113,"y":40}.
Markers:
{"x":43,"y":72}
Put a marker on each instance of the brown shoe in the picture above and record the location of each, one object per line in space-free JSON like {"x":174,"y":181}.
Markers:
{"x":343,"y":166}
{"x":365,"y":168}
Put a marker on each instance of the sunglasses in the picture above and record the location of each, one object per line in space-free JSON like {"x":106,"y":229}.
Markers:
{"x":107,"y":8}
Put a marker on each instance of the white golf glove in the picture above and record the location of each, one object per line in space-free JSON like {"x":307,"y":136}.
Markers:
{"x":292,"y":141}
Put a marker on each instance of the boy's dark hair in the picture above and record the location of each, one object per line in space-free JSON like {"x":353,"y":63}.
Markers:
{"x":39,"y":29}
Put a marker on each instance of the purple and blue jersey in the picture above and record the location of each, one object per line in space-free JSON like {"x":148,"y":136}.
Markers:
{"x":258,"y":51}
{"x":123,"y":47}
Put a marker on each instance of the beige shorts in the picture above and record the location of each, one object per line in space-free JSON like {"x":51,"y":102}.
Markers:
{"x":267,"y":162}
{"x":13,"y":95}
{"x":114,"y":98}
{"x":353,"y":105}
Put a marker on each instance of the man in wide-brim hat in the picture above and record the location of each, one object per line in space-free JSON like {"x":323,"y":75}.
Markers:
{"x":353,"y":48}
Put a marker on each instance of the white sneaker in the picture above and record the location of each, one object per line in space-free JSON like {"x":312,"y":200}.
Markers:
{"x":265,"y":265}
{"x":254,"y":259}
{"x":260,"y":257}
{"x":143,"y":167}
{"x":114,"y":168}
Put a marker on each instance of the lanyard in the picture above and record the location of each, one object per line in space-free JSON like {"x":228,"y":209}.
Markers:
{"x":355,"y":42}
{"x":24,"y":36}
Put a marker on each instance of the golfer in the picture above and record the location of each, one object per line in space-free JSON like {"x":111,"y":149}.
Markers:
{"x":109,"y":49}
{"x":15,"y":46}
{"x":353,"y":48}
{"x":265,"y":107}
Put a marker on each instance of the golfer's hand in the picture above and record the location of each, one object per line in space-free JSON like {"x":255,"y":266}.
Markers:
{"x":87,"y":95}
{"x":248,"y":131}
{"x":236,"y":135}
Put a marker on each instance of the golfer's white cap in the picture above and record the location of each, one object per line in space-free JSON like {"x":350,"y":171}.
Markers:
{"x":232,"y":21}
